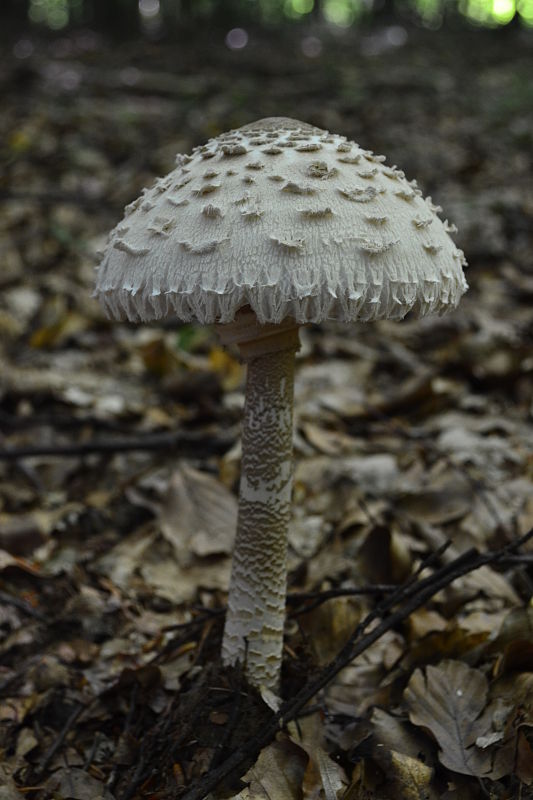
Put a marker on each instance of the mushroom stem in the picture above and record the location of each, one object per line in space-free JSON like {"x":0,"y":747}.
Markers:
{"x":253,"y":633}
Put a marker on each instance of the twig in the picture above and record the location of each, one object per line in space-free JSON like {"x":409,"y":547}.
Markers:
{"x":522,"y":559}
{"x":394,"y":591}
{"x":52,"y":750}
{"x":321,"y":597}
{"x":414,"y":595}
{"x":14,"y":422}
{"x":318,"y":597}
{"x":189,"y":443}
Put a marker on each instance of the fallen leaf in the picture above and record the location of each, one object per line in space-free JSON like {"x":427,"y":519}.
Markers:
{"x":524,"y":760}
{"x":77,"y":784}
{"x":362,"y":683}
{"x":197,"y":515}
{"x":408,"y":777}
{"x":323,"y":776}
{"x":393,"y":733}
{"x":277,"y":774}
{"x":8,"y":789}
{"x":515,"y":641}
{"x":450,"y":700}
{"x":329,"y":626}
{"x":226,"y":367}
{"x":443,"y":502}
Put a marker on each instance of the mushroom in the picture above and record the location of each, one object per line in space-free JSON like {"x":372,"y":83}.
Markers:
{"x":261,"y":230}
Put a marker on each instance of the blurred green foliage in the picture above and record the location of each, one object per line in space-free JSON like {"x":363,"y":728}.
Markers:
{"x":128,"y":16}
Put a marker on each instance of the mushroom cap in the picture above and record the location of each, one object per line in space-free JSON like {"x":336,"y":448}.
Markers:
{"x":288,"y":219}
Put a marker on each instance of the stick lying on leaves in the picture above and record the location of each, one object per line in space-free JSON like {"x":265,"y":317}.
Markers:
{"x":199,"y":443}
{"x":412,"y":595}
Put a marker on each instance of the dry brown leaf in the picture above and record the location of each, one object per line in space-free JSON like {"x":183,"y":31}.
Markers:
{"x":376,"y":474}
{"x":384,"y":556}
{"x":487,"y":581}
{"x":8,"y":789}
{"x":453,"y":642}
{"x":177,"y":583}
{"x":424,"y":621}
{"x":77,"y":784}
{"x":26,"y":742}
{"x":329,"y":626}
{"x":229,"y":370}
{"x":409,"y":778}
{"x":363,"y":683}
{"x":306,"y":535}
{"x":393,"y":733}
{"x":332,"y":387}
{"x":20,"y":534}
{"x":524,"y":760}
{"x":323,"y":777}
{"x":143,"y":559}
{"x":7,"y":561}
{"x":450,"y":700}
{"x":198,"y":515}
{"x":518,"y":690}
{"x":277,"y":774}
{"x":329,"y":442}
{"x":445,"y":501}
{"x":515,"y":641}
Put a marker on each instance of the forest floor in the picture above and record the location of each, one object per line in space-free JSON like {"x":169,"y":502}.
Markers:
{"x":119,"y":445}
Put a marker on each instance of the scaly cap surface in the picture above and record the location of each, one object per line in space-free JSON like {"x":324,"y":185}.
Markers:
{"x":288,"y":219}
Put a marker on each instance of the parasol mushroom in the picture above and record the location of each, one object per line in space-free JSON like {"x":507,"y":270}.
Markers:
{"x":259,"y":231}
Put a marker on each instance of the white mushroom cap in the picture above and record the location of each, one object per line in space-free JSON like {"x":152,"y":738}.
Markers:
{"x":288,"y":219}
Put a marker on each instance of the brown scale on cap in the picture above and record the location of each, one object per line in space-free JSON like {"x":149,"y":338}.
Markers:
{"x":130,"y":249}
{"x":349,"y":159}
{"x":252,"y":213}
{"x":177,"y":201}
{"x":359,"y":195}
{"x":420,"y":222}
{"x":405,"y":194}
{"x":298,"y":188}
{"x":367,"y":173}
{"x":209,"y":188}
{"x":375,"y":219}
{"x":212,"y":212}
{"x":321,"y":169}
{"x":316,"y":213}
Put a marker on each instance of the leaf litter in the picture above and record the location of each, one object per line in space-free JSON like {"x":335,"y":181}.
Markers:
{"x":114,"y":563}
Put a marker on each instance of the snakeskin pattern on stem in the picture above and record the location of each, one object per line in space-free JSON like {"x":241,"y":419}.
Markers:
{"x":256,"y":605}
